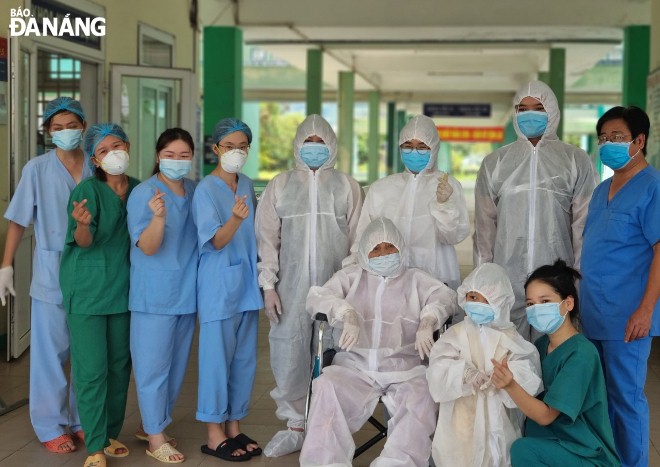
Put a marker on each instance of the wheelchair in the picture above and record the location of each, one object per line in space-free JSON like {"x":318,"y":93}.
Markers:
{"x":323,"y":358}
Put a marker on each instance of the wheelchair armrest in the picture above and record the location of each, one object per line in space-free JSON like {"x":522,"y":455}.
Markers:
{"x":321,"y":317}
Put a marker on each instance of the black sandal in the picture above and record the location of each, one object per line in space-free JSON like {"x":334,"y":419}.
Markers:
{"x":225,"y":450}
{"x":244,"y":440}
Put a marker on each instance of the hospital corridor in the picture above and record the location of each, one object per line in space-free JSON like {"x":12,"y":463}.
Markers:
{"x":21,"y":448}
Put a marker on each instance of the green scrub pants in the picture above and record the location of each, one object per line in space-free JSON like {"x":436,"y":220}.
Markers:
{"x":101,"y":364}
{"x":526,"y":452}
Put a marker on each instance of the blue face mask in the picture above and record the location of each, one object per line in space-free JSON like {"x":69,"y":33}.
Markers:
{"x":175,"y":169}
{"x":615,"y":155}
{"x":416,"y":160}
{"x":67,"y":140}
{"x":480,"y":313}
{"x":532,"y":123}
{"x":314,"y":154}
{"x":385,"y":265}
{"x":545,"y":317}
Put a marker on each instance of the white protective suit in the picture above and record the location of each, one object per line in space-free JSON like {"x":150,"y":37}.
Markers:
{"x":305,"y":225}
{"x":383,"y":362}
{"x":531,"y":203}
{"x":430,"y":229}
{"x":477,"y":429}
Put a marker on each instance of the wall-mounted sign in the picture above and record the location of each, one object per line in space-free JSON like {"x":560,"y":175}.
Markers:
{"x":471,"y":134}
{"x":457,"y":110}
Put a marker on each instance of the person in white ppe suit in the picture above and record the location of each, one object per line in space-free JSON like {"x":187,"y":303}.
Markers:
{"x":305,"y":224}
{"x":426,"y":205}
{"x":388,"y":314}
{"x":531,"y":197}
{"x":477,"y":422}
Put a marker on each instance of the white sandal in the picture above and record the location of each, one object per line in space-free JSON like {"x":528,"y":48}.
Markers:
{"x":163,"y":454}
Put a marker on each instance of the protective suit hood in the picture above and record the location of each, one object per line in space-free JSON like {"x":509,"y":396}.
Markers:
{"x":542,"y":92}
{"x":422,"y":128}
{"x":491,"y":281}
{"x":378,"y":231}
{"x":315,"y":125}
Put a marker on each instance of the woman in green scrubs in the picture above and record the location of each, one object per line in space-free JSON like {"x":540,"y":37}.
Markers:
{"x":94,"y":276}
{"x":568,"y":424}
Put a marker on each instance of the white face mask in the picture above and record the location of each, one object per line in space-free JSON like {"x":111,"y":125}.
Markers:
{"x":233,"y":161}
{"x":115,"y":162}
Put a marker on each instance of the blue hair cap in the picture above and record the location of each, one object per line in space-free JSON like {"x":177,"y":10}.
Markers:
{"x":227,"y":126}
{"x":63,"y":104}
{"x":96,"y":133}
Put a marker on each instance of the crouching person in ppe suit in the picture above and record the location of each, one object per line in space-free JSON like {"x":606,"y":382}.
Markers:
{"x":477,"y":422}
{"x":305,"y":224}
{"x":388,"y":314}
{"x":532,"y":197}
{"x":427,"y":206}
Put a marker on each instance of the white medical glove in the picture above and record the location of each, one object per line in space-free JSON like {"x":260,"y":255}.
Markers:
{"x":6,"y":283}
{"x":424,"y":336}
{"x":475,"y":378}
{"x":272,"y":305}
{"x":444,"y":190}
{"x":351,"y":332}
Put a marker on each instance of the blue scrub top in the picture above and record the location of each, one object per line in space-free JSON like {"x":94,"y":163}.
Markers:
{"x":41,"y":199}
{"x":227,"y":278}
{"x":164,"y":282}
{"x":616,"y":255}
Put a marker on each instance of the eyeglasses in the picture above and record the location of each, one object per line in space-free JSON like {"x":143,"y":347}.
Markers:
{"x":613,"y":138}
{"x":409,"y":148}
{"x":229,"y":147}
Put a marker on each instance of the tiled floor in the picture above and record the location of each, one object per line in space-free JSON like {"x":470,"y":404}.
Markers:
{"x":19,"y":446}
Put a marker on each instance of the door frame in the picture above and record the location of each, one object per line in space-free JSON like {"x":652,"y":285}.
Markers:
{"x":187,"y":110}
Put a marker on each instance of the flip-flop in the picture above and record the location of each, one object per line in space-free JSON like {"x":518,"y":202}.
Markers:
{"x":225,"y":449}
{"x":111,"y":451}
{"x":142,"y":436}
{"x":54,"y":444}
{"x":97,"y":460}
{"x":245,"y":440}
{"x":163,"y":454}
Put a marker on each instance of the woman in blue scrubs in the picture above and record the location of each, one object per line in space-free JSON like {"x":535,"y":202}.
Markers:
{"x":621,"y":275}
{"x":41,"y":199}
{"x":162,"y":296}
{"x":228,"y":296}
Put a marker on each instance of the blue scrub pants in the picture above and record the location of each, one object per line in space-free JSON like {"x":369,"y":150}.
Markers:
{"x":227,"y":364}
{"x":624,"y":366}
{"x":53,"y":406}
{"x":160,"y":347}
{"x":528,"y":452}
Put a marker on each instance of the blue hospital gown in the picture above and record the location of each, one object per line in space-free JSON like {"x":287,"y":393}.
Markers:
{"x":227,"y":278}
{"x":163,"y":283}
{"x":41,"y":198}
{"x":616,"y":255}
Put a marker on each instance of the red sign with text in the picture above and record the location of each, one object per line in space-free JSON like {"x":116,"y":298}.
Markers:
{"x":471,"y":134}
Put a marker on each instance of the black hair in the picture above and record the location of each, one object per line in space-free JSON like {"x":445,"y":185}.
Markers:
{"x":46,"y":124}
{"x":635,"y":118}
{"x":562,"y":279}
{"x":99,"y":173}
{"x":167,"y":137}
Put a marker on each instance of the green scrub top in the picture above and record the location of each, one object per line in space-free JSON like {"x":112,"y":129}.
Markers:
{"x":575,"y":386}
{"x":95,"y":280}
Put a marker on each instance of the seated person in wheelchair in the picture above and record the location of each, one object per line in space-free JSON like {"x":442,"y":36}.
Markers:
{"x":477,"y":422}
{"x":388,"y":313}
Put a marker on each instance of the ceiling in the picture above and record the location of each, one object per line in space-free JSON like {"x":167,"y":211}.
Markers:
{"x":416,"y":51}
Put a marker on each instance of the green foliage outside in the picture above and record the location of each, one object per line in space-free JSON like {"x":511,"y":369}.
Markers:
{"x":277,"y":131}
